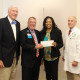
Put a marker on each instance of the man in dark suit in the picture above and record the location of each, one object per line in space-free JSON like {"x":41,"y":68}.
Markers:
{"x":9,"y":44}
{"x":31,"y":57}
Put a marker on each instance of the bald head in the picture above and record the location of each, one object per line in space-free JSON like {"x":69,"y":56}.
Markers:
{"x":72,"y":21}
{"x":13,"y":12}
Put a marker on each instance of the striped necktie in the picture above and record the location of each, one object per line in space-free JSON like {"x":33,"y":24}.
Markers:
{"x":37,"y":51}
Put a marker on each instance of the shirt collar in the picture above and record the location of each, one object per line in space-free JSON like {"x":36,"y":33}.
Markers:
{"x":73,"y":28}
{"x":31,"y":30}
{"x":10,"y":20}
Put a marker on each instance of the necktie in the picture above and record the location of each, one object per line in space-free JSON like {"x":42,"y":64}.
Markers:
{"x":69,"y":32}
{"x":13,"y":22}
{"x":37,"y":51}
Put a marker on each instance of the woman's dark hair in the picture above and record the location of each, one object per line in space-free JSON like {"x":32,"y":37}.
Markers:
{"x":44,"y":23}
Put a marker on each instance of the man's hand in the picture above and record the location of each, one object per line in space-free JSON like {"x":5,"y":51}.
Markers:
{"x":1,"y":64}
{"x":38,"y":46}
{"x":54,"y":43}
{"x":74,"y":63}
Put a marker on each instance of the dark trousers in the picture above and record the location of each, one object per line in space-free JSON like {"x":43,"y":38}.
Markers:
{"x":51,"y":69}
{"x":31,"y":73}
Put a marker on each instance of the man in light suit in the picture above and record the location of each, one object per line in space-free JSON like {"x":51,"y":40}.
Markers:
{"x":71,"y":56}
{"x":31,"y":57}
{"x":9,"y":44}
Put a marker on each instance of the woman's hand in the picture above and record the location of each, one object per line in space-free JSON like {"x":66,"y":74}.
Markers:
{"x":54,"y":44}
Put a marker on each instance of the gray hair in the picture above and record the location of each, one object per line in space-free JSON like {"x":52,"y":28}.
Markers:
{"x":11,"y":7}
{"x":73,"y":17}
{"x":32,"y":18}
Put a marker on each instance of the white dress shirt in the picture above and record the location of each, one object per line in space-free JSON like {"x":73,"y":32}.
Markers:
{"x":13,"y":27}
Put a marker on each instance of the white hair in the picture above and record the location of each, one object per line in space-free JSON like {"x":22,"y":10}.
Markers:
{"x":73,"y":17}
{"x":12,"y":7}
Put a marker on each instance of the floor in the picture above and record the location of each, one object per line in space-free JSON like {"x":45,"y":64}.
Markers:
{"x":62,"y":75}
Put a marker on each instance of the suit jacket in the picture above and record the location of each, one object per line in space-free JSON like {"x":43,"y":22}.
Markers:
{"x":72,"y":50}
{"x":55,"y":35}
{"x":8,"y":45}
{"x":28,"y":48}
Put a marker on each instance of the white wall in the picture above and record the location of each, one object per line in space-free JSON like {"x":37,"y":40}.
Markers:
{"x":1,"y":8}
{"x":78,"y":13}
{"x":58,"y":9}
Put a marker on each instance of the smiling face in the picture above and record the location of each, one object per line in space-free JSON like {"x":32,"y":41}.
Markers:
{"x":71,"y":22}
{"x":32,"y":23}
{"x":13,"y":13}
{"x":48,"y":23}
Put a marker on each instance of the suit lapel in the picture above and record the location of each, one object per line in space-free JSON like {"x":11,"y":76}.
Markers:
{"x":27,"y":31}
{"x":53,"y":35}
{"x":17,"y":31}
{"x":37,"y":35}
{"x":9,"y":28}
